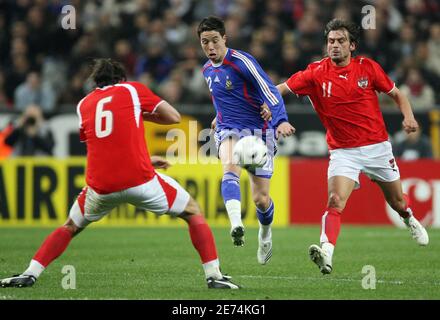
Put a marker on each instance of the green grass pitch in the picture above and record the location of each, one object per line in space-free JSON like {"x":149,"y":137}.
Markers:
{"x":160,"y":263}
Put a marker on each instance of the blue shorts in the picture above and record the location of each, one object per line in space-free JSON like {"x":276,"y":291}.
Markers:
{"x":268,"y":137}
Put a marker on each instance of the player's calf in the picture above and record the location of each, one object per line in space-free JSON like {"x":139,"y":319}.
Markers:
{"x":230,"y":188}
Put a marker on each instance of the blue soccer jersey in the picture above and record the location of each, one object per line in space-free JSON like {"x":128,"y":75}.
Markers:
{"x":239,"y":86}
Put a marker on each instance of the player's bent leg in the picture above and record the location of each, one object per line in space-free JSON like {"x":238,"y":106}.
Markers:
{"x":339,"y":190}
{"x":164,"y":195}
{"x":203,"y":241}
{"x":230,"y":189}
{"x":265,"y":212}
{"x":330,"y":227}
{"x":54,"y":245}
{"x":400,"y":203}
{"x":394,"y":196}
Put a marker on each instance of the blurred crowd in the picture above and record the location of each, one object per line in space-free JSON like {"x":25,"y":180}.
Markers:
{"x":41,"y":63}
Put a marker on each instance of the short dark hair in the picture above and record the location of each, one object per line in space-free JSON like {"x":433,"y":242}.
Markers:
{"x":106,"y":71}
{"x":352,"y":28}
{"x":211,"y":23}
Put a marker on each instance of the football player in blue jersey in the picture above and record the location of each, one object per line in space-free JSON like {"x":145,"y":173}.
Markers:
{"x":246,"y":102}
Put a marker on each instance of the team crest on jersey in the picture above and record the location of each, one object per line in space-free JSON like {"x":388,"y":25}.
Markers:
{"x":363,"y":82}
{"x":229,"y":85}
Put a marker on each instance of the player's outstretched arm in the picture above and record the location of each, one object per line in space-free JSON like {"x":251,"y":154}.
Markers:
{"x":409,"y":122}
{"x":284,"y":129}
{"x":283,"y":89}
{"x":163,"y":114}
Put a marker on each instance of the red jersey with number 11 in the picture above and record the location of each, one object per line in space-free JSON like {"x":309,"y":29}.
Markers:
{"x":345,"y":99}
{"x":110,"y":120}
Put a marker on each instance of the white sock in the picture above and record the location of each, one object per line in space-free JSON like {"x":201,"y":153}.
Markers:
{"x":328,"y":248}
{"x":233,"y":207}
{"x":265,"y":232}
{"x":212,"y":269}
{"x":35,"y":269}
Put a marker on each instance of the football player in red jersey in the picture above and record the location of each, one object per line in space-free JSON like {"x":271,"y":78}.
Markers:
{"x":342,"y":90}
{"x":120,"y":170}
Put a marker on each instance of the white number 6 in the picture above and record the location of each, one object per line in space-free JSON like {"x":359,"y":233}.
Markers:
{"x":107,"y":115}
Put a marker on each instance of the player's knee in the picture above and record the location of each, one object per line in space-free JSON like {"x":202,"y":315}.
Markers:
{"x":72,"y":227}
{"x":230,"y":167}
{"x":192,"y":208}
{"x":335,"y":201}
{"x":261,"y":200}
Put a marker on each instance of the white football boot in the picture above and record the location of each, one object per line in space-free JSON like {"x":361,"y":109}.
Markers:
{"x":264,"y":252}
{"x":321,"y":258}
{"x":418,"y":232}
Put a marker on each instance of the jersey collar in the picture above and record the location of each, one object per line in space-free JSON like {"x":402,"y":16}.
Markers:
{"x":338,"y":68}
{"x":216,"y":65}
{"x":104,"y":88}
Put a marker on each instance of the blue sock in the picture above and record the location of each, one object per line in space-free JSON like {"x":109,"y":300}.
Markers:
{"x":231,"y":197}
{"x":266,"y":217}
{"x":231,"y":187}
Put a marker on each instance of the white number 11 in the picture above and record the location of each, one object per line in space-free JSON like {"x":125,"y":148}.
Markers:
{"x":329,"y":89}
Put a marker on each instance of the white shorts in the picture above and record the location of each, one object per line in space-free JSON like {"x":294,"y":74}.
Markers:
{"x":160,"y":195}
{"x":375,"y":160}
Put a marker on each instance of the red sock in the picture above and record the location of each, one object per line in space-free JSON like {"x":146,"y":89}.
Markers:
{"x":331,"y":225}
{"x":53,"y":246}
{"x":202,"y":238}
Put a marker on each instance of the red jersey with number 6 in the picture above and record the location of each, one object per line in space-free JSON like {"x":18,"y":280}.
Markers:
{"x":345,"y":99}
{"x":110,"y":121}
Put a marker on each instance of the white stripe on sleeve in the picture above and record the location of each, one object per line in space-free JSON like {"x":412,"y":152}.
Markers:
{"x":263,"y":85}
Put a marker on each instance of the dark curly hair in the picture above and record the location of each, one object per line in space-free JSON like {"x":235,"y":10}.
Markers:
{"x":107,"y":72}
{"x":352,"y":29}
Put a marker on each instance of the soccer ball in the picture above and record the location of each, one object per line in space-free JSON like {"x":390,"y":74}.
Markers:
{"x":250,"y":153}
